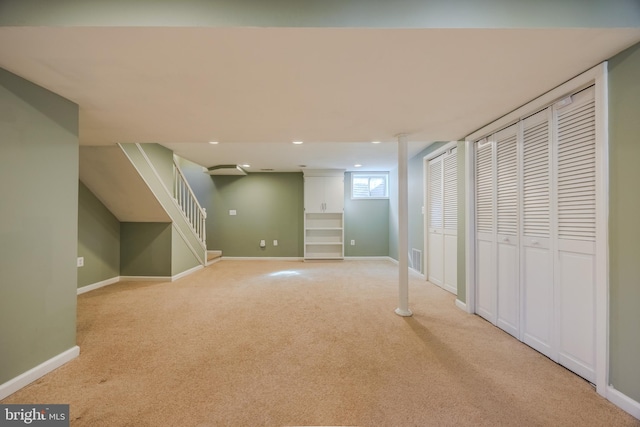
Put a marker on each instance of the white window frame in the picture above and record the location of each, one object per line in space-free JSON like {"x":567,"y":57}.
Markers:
{"x":369,"y":175}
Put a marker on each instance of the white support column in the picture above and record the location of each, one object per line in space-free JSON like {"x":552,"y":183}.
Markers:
{"x":403,"y":227}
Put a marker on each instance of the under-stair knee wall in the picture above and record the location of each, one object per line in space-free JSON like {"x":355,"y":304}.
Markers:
{"x":145,"y":249}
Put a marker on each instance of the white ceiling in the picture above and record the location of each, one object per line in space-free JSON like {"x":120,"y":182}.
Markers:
{"x":257,"y":89}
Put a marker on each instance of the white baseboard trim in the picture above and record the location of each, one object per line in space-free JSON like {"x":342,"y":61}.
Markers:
{"x":260,"y":258}
{"x":366,"y":258}
{"x":98,"y":285}
{"x":213,"y":261}
{"x":145,"y":278}
{"x":623,"y":401}
{"x":39,"y":371}
{"x":461,"y":305}
{"x":187,"y":272}
{"x":113,"y":280}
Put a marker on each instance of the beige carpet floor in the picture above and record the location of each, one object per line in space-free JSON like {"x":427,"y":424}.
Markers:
{"x":290,"y":343}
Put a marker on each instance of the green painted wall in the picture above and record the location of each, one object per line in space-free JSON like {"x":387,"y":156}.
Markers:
{"x":624,"y":211}
{"x":98,"y":239}
{"x":145,"y":249}
{"x":38,"y":225}
{"x":366,"y":222}
{"x":326,"y":13}
{"x":268,"y":205}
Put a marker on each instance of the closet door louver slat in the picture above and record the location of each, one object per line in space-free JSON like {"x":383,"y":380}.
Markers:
{"x":484,"y":187}
{"x":576,"y":154}
{"x":435,"y":187}
{"x":536,"y":186}
{"x":451,"y":193}
{"x":507,"y":175}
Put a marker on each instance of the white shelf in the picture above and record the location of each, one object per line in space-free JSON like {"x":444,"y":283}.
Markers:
{"x":323,"y":214}
{"x":324,"y":236}
{"x":323,"y":228}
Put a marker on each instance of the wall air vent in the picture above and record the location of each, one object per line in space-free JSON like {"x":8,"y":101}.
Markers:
{"x":226,"y":170}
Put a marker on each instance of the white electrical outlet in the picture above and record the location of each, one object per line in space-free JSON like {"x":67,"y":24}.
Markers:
{"x":232,"y":212}
{"x":275,"y":243}
{"x":80,"y":261}
{"x":263,"y":243}
{"x":353,"y":243}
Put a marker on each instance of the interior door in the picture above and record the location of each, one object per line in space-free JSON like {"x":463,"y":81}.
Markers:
{"x":576,"y":231}
{"x":507,"y":230}
{"x":537,"y":260}
{"x":450,"y":218}
{"x":435,"y":256}
{"x":485,"y":241}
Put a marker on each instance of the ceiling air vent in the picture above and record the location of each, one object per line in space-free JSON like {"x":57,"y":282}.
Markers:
{"x":226,"y":170}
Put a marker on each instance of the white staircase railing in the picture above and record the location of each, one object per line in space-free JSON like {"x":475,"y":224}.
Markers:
{"x":195,"y":214}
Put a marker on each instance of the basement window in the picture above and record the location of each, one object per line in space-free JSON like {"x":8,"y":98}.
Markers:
{"x":370,"y":185}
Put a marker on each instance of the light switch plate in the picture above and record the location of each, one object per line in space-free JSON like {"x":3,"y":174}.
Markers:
{"x":232,"y":212}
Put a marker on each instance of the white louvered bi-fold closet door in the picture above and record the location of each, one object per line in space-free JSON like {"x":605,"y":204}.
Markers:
{"x":442,"y":207}
{"x":435,"y":256}
{"x":575,"y":274}
{"x":507,"y":230}
{"x":536,"y":251}
{"x":486,"y":289}
{"x":450,"y":216}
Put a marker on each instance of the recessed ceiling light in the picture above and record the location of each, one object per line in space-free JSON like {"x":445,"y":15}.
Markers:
{"x":375,"y":142}
{"x":213,"y":142}
{"x":357,"y":165}
{"x":297,"y":142}
{"x":246,"y":166}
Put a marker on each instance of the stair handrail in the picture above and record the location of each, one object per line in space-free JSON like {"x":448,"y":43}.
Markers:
{"x":183,"y":194}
